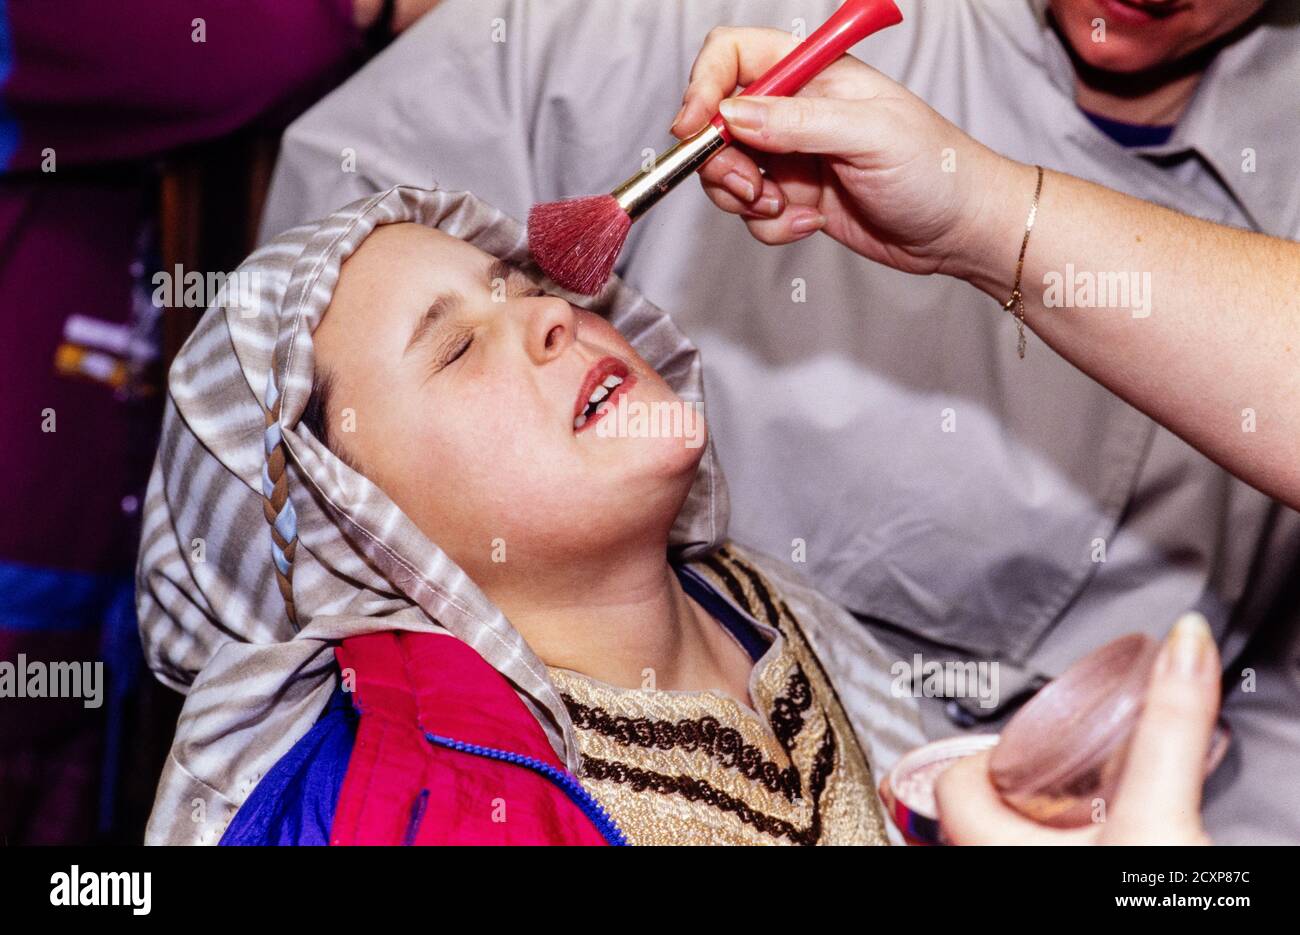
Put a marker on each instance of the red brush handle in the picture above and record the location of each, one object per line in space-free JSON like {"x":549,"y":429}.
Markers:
{"x":852,"y":23}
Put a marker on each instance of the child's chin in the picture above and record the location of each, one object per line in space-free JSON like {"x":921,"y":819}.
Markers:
{"x":659,"y":458}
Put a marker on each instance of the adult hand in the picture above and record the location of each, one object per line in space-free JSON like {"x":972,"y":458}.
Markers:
{"x":854,"y":154}
{"x":1159,"y":795}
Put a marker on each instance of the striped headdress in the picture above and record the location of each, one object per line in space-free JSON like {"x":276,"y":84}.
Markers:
{"x":260,"y":547}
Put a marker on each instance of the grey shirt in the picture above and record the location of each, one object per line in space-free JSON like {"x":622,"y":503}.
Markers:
{"x":877,"y":429}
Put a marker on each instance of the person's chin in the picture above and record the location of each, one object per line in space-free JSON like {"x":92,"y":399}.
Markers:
{"x":1125,"y":51}
{"x":649,"y":461}
{"x":1120,"y":56}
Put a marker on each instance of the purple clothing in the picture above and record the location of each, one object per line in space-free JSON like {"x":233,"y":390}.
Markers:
{"x":106,"y":82}
{"x":97,"y":92}
{"x":99,"y":84}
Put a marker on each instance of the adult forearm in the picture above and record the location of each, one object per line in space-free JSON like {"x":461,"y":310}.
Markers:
{"x":1196,"y":324}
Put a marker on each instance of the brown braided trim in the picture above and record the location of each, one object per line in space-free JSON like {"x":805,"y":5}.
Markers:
{"x":698,"y":790}
{"x":787,"y":710}
{"x":779,"y":608}
{"x":275,"y":469}
{"x":762,"y":590}
{"x":726,"y":745}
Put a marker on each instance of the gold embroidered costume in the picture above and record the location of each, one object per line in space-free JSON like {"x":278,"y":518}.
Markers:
{"x":688,"y":767}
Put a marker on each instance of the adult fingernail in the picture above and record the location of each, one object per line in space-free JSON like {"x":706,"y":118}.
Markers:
{"x":771,"y":206}
{"x":742,"y":113}
{"x":1189,"y":643}
{"x":678,"y":119}
{"x":739,"y":186}
{"x":808,"y":223}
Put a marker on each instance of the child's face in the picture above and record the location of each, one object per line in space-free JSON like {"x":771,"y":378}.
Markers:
{"x":463,"y":410}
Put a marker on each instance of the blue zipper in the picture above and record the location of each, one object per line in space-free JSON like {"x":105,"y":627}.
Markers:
{"x":566,"y":781}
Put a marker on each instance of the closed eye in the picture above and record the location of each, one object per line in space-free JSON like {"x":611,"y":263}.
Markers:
{"x":451,"y":350}
{"x":460,"y":351}
{"x":455,"y":346}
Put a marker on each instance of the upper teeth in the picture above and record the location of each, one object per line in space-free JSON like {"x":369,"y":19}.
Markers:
{"x":605,"y":388}
{"x":598,"y":395}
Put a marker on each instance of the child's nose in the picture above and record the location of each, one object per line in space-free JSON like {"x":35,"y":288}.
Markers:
{"x":551,"y":328}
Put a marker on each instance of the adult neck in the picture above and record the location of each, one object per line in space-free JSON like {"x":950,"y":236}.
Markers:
{"x":1161,"y":104}
{"x":1157,"y":96}
{"x":624,"y":620}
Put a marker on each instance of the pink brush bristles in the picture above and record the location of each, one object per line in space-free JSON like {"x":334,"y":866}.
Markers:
{"x":576,"y":241}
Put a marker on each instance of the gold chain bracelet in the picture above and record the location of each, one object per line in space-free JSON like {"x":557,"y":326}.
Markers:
{"x":1016,"y":304}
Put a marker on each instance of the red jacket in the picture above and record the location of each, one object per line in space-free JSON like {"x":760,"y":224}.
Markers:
{"x":447,"y":753}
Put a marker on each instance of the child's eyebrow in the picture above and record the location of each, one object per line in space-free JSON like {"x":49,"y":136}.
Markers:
{"x":438,"y":310}
{"x":517,"y":283}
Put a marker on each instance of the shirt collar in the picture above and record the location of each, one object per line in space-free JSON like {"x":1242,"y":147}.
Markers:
{"x":1246,"y":101}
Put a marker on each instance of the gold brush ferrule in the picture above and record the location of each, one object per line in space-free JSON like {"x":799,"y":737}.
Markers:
{"x":642,"y":191}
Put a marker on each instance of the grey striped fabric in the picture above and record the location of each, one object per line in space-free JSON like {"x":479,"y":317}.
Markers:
{"x":212,"y":620}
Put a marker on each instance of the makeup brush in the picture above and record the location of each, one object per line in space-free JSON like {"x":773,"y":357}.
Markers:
{"x":576,"y":241}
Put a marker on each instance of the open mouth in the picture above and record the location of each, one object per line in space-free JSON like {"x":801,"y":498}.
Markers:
{"x":609,"y":379}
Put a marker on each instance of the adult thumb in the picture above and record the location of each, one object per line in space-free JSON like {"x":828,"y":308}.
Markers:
{"x":1159,"y":794}
{"x":824,"y":125}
